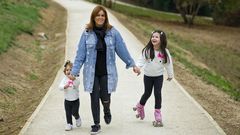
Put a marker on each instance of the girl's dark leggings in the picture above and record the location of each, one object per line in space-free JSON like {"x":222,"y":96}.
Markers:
{"x":100,"y":91}
{"x":149,"y":83}
{"x":71,"y":109}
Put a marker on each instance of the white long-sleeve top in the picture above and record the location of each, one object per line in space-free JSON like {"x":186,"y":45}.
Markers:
{"x":71,"y":93}
{"x":156,"y":66}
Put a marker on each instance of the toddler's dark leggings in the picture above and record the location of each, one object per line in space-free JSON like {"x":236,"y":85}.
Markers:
{"x":71,"y":108}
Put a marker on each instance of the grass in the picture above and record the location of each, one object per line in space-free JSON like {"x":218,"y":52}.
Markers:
{"x":206,"y":75}
{"x":145,"y":13}
{"x":8,"y":90}
{"x":139,"y":12}
{"x":32,"y":76}
{"x":222,"y":62}
{"x":211,"y":55}
{"x":16,"y":18}
{"x":38,"y":51}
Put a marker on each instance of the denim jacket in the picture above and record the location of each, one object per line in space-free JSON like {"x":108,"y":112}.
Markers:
{"x":87,"y":53}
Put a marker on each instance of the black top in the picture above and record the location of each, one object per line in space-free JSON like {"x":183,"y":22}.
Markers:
{"x":101,"y":67}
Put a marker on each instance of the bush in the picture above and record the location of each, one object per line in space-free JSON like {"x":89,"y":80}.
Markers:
{"x":227,"y":12}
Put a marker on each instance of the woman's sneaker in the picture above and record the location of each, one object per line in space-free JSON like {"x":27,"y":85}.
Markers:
{"x":68,"y":127}
{"x":107,"y":117}
{"x":95,"y":129}
{"x":78,"y":122}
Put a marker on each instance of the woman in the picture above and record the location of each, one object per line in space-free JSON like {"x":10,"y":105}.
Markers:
{"x":96,"y":50}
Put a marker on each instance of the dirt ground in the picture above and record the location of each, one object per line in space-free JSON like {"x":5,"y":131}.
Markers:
{"x":29,"y":68}
{"x":224,"y":110}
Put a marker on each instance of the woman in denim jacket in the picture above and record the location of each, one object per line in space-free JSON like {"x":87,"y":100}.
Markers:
{"x":96,"y":51}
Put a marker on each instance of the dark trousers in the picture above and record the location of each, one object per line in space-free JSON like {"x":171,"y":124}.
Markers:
{"x":100,"y":91}
{"x":149,"y":83}
{"x":71,"y":109}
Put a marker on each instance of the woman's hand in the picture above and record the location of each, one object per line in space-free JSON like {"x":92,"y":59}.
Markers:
{"x":169,"y":79}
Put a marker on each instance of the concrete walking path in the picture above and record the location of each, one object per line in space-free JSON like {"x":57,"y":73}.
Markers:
{"x":182,"y":115}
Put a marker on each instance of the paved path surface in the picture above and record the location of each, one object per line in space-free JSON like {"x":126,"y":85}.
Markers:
{"x":181,"y":114}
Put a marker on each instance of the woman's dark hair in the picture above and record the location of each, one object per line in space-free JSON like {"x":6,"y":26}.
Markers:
{"x":95,"y":12}
{"x":148,"y":50}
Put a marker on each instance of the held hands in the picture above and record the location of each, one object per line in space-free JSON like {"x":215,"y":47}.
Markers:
{"x":136,"y":70}
{"x":70,"y":83}
{"x":169,"y":79}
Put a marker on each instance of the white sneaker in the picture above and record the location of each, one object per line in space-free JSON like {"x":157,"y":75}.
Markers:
{"x":78,"y":122}
{"x":68,"y":127}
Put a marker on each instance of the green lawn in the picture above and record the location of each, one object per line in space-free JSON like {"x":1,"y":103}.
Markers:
{"x":17,"y":17}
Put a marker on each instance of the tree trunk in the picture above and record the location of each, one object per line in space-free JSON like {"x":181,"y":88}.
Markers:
{"x":188,"y":9}
{"x":194,"y":13}
{"x":182,"y":13}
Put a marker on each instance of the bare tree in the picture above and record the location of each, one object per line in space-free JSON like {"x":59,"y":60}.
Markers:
{"x":109,"y":3}
{"x":189,"y":9}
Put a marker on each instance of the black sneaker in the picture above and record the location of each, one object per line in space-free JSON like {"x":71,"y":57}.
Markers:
{"x":107,"y":117}
{"x":95,"y":129}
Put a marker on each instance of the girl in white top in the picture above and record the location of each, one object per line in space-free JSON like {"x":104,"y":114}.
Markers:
{"x":155,"y":57}
{"x":71,"y":95}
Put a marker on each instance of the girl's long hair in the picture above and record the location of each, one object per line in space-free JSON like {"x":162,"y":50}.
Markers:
{"x":148,"y":50}
{"x":95,"y":11}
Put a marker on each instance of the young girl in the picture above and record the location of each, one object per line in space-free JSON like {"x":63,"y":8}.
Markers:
{"x":71,"y":95}
{"x":155,"y":57}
